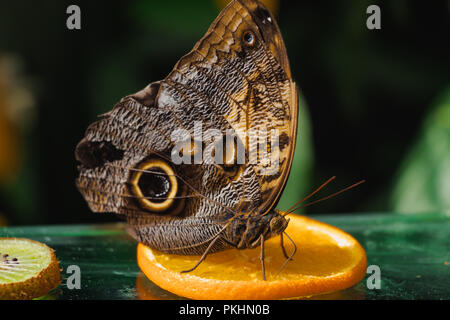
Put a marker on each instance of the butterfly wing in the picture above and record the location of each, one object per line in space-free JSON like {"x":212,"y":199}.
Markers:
{"x":236,"y":78}
{"x":253,"y":90}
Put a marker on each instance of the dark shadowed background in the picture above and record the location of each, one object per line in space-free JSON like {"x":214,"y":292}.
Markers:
{"x":375,"y":104}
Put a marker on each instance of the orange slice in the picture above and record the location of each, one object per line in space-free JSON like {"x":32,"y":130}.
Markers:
{"x":327,"y":260}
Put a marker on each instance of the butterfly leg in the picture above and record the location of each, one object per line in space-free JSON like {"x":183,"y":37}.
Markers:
{"x":262,"y":258}
{"x":282,"y":246}
{"x":290,"y":257}
{"x":203,"y":257}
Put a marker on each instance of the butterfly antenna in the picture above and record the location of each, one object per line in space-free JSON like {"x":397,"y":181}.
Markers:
{"x":327,"y":197}
{"x":311,"y":194}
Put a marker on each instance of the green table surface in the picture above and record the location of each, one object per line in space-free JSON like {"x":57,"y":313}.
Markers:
{"x":412,"y":252}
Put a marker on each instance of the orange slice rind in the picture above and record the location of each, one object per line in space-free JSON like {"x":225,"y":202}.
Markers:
{"x":327,"y":260}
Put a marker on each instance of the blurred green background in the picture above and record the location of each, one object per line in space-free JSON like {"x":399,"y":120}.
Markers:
{"x":375,"y":104}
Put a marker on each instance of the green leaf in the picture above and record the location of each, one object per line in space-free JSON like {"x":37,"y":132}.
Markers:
{"x":423,"y":181}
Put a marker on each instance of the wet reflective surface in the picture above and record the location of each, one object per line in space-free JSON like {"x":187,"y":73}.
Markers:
{"x":412,"y":252}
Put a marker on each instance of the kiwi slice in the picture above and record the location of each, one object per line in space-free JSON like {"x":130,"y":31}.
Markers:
{"x":28,"y":269}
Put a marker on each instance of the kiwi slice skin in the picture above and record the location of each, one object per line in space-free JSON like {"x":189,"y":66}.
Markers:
{"x":35,"y":286}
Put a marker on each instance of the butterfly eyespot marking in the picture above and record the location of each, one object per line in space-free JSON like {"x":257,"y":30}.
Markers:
{"x":230,"y":156}
{"x":232,"y":171}
{"x":230,"y":151}
{"x":262,"y":15}
{"x":93,"y":154}
{"x":189,"y":150}
{"x":155,"y":185}
{"x":249,"y":38}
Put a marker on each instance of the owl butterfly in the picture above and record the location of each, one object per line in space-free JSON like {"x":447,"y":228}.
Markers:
{"x":236,"y":79}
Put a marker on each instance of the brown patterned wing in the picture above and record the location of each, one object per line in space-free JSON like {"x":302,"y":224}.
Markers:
{"x":242,"y":63}
{"x":236,"y":78}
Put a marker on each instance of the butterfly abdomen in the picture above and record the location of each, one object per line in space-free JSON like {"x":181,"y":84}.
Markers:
{"x":180,"y":236}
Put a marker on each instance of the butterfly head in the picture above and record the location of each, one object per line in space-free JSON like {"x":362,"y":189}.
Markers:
{"x":277,"y":224}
